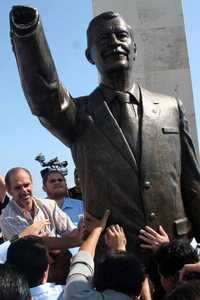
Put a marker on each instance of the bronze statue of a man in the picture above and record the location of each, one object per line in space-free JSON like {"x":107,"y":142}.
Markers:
{"x":132,"y":147}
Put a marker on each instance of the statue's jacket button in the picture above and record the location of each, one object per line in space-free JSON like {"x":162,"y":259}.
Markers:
{"x":147,"y":184}
{"x":152,"y":216}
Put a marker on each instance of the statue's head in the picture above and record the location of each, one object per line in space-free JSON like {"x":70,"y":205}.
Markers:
{"x":110,"y":43}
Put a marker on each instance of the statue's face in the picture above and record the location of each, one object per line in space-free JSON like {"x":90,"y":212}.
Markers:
{"x":112,"y":47}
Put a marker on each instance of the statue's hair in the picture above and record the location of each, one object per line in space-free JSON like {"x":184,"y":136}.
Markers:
{"x":105,"y":16}
{"x":14,"y":170}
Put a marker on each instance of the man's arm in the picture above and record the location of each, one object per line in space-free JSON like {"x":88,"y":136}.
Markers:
{"x":89,"y":245}
{"x":78,"y":283}
{"x":189,"y":268}
{"x":4,"y":199}
{"x":190,"y":175}
{"x":44,"y":93}
{"x":2,"y":189}
{"x":52,"y":243}
{"x":11,"y":226}
{"x":62,"y":221}
{"x":16,"y":226}
{"x":64,"y":225}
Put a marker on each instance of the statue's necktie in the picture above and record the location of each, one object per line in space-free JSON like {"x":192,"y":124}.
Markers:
{"x":128,"y":121}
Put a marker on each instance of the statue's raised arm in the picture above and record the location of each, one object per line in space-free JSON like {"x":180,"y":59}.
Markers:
{"x":45,"y":95}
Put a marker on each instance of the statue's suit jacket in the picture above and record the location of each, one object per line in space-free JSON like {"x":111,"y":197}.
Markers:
{"x":163,"y":188}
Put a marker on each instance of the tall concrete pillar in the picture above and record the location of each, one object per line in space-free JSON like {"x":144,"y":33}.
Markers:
{"x":162,"y":63}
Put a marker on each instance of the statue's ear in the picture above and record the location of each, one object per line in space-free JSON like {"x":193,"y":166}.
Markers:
{"x":135,"y":50}
{"x":89,"y":57}
{"x":44,"y":188}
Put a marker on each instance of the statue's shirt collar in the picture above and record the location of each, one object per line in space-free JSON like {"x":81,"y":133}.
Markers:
{"x":110,"y":93}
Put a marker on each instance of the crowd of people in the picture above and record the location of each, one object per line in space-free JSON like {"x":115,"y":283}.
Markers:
{"x":46,"y":252}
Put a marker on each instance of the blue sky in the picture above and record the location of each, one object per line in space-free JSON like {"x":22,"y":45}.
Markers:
{"x":65,"y":23}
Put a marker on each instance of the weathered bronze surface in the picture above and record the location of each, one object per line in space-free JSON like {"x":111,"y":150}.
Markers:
{"x":152,"y":178}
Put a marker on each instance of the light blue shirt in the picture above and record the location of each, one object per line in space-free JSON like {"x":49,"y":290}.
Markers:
{"x":3,"y":251}
{"x":73,"y":208}
{"x":47,"y":291}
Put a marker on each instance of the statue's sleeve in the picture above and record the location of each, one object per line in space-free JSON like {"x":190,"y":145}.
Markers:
{"x":45,"y":94}
{"x":190,"y":175}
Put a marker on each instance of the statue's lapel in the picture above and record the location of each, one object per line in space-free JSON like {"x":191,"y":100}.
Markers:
{"x":149,"y":132}
{"x":105,"y":122}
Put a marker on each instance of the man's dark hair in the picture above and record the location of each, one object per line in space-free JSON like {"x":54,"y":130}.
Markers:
{"x":30,"y":256}
{"x":14,"y":170}
{"x":49,"y":172}
{"x":121,"y":272}
{"x":13,"y":285}
{"x":189,"y":290}
{"x":173,"y":256}
{"x":105,"y":16}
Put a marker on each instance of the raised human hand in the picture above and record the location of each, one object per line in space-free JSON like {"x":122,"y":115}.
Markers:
{"x":92,"y":222}
{"x":153,"y":239}
{"x":75,"y":237}
{"x":2,"y":189}
{"x":189,"y":268}
{"x":115,"y":238}
{"x":103,"y":220}
{"x":91,"y":241}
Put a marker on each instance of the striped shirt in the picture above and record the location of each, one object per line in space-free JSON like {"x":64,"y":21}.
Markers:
{"x":14,"y":219}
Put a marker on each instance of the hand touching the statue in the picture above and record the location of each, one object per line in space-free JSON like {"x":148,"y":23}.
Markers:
{"x":115,"y":238}
{"x":152,"y":239}
{"x":98,"y":227}
{"x":189,"y":269}
{"x":91,"y":222}
{"x":76,"y":235}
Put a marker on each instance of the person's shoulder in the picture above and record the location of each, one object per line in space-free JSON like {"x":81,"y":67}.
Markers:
{"x":45,"y":202}
{"x":48,"y":289}
{"x":73,"y":201}
{"x":166,"y":102}
{"x":155,"y":95}
{"x":81,"y":105}
{"x":83,"y":100}
{"x":74,"y":194}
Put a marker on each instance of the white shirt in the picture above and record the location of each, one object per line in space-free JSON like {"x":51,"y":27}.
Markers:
{"x":47,"y":291}
{"x":73,"y":208}
{"x":14,"y":219}
{"x":3,"y":251}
